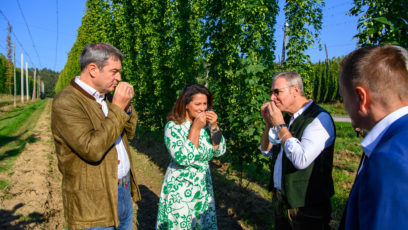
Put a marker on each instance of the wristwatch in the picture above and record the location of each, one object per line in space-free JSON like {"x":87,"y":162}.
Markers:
{"x":279,"y":127}
{"x":215,"y":130}
{"x":216,"y":136}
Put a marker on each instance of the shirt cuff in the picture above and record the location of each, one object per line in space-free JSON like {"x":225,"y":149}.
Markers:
{"x":273,"y":136}
{"x":130,"y":110}
{"x":265,"y":152}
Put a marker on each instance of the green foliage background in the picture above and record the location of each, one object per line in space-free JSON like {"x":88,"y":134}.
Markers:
{"x":227,"y":45}
{"x":324,"y":84}
{"x":381,"y":22}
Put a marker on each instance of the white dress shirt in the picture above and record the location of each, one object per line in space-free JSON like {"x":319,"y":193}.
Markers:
{"x":377,"y":132}
{"x":123,"y":164}
{"x":317,"y":136}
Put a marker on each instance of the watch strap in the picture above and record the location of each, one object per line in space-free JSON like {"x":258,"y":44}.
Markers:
{"x":279,"y":127}
{"x":215,"y":130}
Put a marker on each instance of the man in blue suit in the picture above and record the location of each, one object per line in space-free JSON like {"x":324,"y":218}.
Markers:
{"x":374,"y":86}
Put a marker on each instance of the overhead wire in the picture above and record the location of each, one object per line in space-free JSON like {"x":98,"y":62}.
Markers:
{"x":1,"y":46}
{"x":18,"y":41}
{"x":29,"y":32}
{"x":56,"y":43}
{"x":340,"y":4}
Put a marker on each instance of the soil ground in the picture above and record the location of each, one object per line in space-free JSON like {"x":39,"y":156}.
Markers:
{"x":34,"y":199}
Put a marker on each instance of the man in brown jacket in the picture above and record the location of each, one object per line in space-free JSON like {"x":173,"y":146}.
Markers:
{"x":91,"y":138}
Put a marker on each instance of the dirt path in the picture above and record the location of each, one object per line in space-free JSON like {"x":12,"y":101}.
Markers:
{"x":34,"y":200}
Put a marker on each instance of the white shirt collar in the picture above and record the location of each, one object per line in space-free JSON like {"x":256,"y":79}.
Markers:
{"x":300,"y":111}
{"x":98,"y":97}
{"x":374,"y":136}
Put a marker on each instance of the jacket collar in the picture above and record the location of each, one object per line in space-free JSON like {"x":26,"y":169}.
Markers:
{"x":377,"y":132}
{"x":79,"y":88}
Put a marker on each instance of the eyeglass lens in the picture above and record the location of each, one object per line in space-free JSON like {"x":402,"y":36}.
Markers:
{"x":276,"y":92}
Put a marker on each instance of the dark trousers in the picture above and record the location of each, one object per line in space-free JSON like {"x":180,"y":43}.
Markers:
{"x":302,"y":218}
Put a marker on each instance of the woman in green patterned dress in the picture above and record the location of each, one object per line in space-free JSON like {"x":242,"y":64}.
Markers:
{"x":192,"y":138}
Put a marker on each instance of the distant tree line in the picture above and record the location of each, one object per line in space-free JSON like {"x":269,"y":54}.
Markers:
{"x":49,"y":77}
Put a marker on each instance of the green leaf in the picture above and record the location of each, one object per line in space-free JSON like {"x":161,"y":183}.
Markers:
{"x":197,"y":206}
{"x":384,"y":21}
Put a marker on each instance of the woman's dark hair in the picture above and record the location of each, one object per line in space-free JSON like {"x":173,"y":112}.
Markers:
{"x":178,"y":113}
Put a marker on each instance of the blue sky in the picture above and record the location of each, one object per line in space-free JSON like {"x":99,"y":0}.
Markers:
{"x":44,"y":47}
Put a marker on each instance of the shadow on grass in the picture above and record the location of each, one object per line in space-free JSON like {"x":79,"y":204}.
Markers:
{"x":3,"y":103}
{"x":349,"y":169}
{"x":147,"y":208}
{"x":9,"y":219}
{"x":237,"y":203}
{"x":19,"y":143}
{"x":152,"y":146}
{"x":9,"y":117}
{"x":233,"y":202}
{"x":338,"y":205}
{"x":4,"y":140}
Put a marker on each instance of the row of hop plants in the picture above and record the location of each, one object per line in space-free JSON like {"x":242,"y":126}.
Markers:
{"x":325,"y":85}
{"x":228,"y":45}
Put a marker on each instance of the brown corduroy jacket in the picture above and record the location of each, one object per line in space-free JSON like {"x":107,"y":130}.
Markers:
{"x":87,"y":158}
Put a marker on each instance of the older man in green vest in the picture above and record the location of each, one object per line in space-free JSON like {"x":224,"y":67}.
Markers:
{"x":301,"y":144}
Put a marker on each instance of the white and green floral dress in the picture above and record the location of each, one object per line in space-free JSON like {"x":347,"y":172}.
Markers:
{"x":187,"y":197}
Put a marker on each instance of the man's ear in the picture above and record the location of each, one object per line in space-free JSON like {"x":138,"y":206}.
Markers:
{"x":296,"y":89}
{"x":364,"y":99}
{"x":92,"y":69}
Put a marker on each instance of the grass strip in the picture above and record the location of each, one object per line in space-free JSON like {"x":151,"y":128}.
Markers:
{"x":335,"y":109}
{"x":15,"y":131}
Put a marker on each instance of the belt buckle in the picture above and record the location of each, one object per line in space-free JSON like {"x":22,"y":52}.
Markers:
{"x":124,"y":180}
{"x":278,"y":194}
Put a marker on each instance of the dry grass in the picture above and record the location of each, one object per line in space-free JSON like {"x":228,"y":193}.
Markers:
{"x":7,"y":103}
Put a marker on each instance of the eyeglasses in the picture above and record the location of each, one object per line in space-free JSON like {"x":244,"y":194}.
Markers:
{"x":277,"y":91}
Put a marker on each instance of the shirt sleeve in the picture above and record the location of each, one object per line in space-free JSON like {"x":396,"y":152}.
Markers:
{"x":274,"y":139}
{"x":318,"y":135}
{"x":181,"y":149}
{"x":221,"y":148}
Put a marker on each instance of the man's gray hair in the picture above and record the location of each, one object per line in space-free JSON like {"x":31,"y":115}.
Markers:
{"x":292,"y":78}
{"x":99,"y":53}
